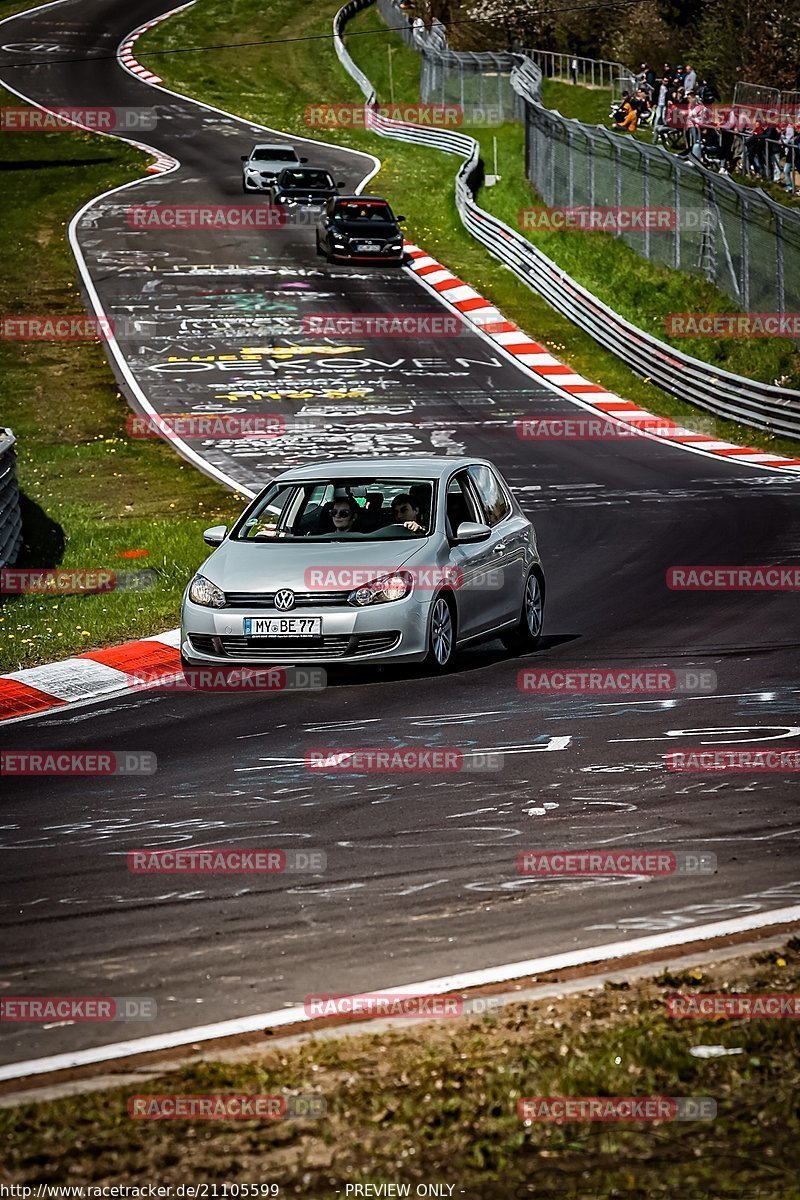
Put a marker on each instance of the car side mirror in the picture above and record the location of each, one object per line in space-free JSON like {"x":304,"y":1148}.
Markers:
{"x":215,"y":535}
{"x":341,"y":183}
{"x":398,"y":219}
{"x":245,"y":157}
{"x":303,"y":160}
{"x":472,"y":531}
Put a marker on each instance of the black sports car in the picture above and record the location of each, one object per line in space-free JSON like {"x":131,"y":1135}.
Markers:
{"x":360,"y":229}
{"x":303,"y":187}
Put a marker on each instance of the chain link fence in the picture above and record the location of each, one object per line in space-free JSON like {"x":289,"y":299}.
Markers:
{"x":736,"y":237}
{"x":480,"y":83}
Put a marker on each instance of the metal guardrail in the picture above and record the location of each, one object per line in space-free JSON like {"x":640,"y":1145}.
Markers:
{"x":729,"y":396}
{"x":588,"y":72}
{"x":10,"y":515}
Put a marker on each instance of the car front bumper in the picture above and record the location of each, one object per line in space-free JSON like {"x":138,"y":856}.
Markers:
{"x":379,"y":633}
{"x":395,"y":256}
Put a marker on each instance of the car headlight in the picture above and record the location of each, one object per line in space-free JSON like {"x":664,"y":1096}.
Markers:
{"x":382,"y":591}
{"x":203,"y":591}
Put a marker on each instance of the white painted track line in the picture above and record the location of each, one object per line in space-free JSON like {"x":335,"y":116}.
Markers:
{"x":429,"y":987}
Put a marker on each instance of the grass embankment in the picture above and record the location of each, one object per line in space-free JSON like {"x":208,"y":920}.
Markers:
{"x":589,"y":105}
{"x":437,"y":1103}
{"x":90,"y":493}
{"x":420,"y":184}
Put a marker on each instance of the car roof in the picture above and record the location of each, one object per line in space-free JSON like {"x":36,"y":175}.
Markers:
{"x":431,"y":466}
{"x":273,"y":146}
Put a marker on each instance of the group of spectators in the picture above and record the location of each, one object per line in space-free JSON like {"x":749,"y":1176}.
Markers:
{"x":682,"y":108}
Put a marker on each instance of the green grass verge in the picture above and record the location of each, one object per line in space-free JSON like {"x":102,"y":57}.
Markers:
{"x":420,"y":181}
{"x":589,"y":105}
{"x":89,"y":493}
{"x":437,"y":1103}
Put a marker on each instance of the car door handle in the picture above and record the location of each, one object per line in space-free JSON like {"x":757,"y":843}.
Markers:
{"x":500,"y":548}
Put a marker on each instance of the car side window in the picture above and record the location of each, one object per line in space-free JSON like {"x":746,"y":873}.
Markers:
{"x":493,"y":498}
{"x":461,"y":505}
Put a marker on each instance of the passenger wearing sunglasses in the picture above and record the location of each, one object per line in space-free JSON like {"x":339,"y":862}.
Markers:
{"x":344,"y":514}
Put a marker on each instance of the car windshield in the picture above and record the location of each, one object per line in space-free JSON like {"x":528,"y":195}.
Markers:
{"x":272,"y":154}
{"x":304,"y":179}
{"x":356,"y":509}
{"x":363,"y":210}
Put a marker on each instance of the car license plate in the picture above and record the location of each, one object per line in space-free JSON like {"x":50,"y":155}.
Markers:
{"x":283,"y":626}
{"x":367,"y":246}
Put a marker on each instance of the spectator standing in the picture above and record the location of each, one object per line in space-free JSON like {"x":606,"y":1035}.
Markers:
{"x":573,"y":68}
{"x":772,"y":151}
{"x":661,"y":107}
{"x":755,"y":145}
{"x":694,"y":119}
{"x":690,"y":80}
{"x":789,"y":146}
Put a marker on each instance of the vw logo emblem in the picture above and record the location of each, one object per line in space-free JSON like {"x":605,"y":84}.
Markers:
{"x":284,"y":600}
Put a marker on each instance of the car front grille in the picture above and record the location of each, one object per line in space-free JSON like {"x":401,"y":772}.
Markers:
{"x":272,"y":650}
{"x":301,"y":599}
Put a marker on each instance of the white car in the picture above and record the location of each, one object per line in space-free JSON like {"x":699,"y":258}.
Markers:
{"x":262,"y":166}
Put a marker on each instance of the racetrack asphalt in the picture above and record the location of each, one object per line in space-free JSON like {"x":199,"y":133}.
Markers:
{"x":421,"y":876}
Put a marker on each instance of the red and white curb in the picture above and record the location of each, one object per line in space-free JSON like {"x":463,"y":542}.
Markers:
{"x":163,"y":162}
{"x":482,"y":315}
{"x":90,"y":676}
